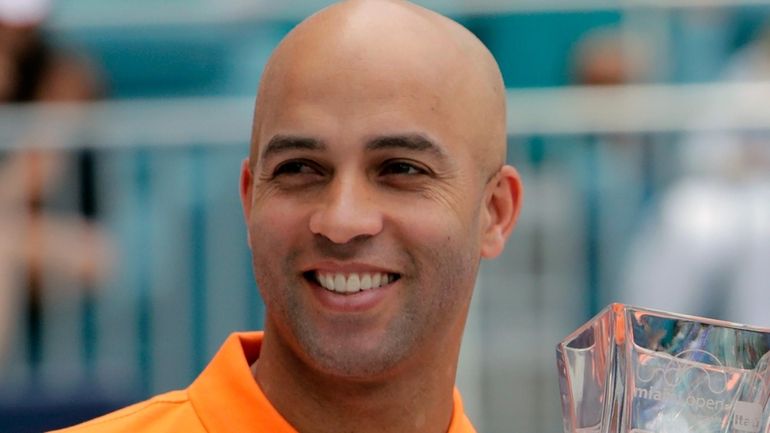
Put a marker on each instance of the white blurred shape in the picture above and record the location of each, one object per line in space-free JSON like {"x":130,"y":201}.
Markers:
{"x":24,"y":12}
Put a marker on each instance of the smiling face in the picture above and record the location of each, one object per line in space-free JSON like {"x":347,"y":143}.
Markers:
{"x":367,"y":202}
{"x":372,"y":246}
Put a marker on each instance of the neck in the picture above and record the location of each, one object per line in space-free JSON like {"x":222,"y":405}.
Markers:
{"x":417,"y":398}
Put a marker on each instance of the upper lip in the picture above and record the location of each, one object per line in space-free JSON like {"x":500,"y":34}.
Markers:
{"x":348,"y":268}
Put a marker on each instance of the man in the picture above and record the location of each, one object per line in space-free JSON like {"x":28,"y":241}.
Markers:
{"x":375,"y":183}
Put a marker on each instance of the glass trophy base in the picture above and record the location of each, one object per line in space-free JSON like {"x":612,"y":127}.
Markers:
{"x":634,"y":370}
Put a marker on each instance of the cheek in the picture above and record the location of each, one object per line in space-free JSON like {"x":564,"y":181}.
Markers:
{"x":273,"y":232}
{"x":446,"y":268}
{"x":446,"y":248}
{"x":274,"y":220}
{"x":446,"y":226}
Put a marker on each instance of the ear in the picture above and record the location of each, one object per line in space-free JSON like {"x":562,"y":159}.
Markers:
{"x":246,"y":188}
{"x":502,"y":202}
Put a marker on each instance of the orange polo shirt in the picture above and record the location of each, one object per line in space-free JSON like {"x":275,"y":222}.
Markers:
{"x":224,"y":398}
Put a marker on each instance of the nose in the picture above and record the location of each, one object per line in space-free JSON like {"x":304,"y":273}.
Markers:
{"x":347,"y":211}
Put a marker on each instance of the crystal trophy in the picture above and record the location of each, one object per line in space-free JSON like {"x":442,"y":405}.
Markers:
{"x":635,"y":370}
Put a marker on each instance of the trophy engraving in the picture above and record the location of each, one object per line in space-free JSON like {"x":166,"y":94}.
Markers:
{"x":634,"y":370}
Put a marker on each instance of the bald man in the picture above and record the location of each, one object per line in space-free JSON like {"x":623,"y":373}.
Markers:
{"x":375,"y":183}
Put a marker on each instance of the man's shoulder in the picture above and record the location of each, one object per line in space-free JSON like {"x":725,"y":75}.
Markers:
{"x":163,"y":413}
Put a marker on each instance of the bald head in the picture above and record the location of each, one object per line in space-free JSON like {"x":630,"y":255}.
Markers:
{"x":378,"y":146}
{"x":385,"y":49}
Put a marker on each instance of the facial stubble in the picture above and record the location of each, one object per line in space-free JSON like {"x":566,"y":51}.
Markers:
{"x":434,"y":294}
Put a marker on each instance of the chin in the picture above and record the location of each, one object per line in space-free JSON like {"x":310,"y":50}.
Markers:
{"x":356,"y":357}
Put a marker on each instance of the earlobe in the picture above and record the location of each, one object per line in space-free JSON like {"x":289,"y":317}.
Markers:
{"x":503,"y":203}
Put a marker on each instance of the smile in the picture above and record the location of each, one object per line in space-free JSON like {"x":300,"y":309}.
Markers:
{"x":353,"y":282}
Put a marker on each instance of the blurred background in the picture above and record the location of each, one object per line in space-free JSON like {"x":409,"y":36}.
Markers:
{"x":641,"y":130}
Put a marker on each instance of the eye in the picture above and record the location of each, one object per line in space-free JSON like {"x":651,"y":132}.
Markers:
{"x":402,"y":167}
{"x":295,"y":167}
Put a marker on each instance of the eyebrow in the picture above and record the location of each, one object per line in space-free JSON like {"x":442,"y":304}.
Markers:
{"x":286,"y":143}
{"x":412,"y":142}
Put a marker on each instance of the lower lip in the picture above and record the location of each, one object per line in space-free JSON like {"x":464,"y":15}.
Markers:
{"x":351,"y":302}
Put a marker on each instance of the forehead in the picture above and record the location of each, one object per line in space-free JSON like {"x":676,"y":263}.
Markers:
{"x":349,"y":95}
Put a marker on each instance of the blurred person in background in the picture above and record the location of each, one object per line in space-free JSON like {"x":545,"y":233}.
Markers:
{"x":705,"y":250}
{"x":606,"y":56}
{"x":33,"y":241}
{"x":375,"y":184}
{"x":615,"y":164}
{"x":31,"y":68}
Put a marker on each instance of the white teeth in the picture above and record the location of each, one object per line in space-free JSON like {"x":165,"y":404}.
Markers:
{"x":354,"y":282}
{"x":366,"y":282}
{"x":339,"y":283}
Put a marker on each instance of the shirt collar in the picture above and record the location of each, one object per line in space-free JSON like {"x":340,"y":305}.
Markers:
{"x":227,"y":398}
